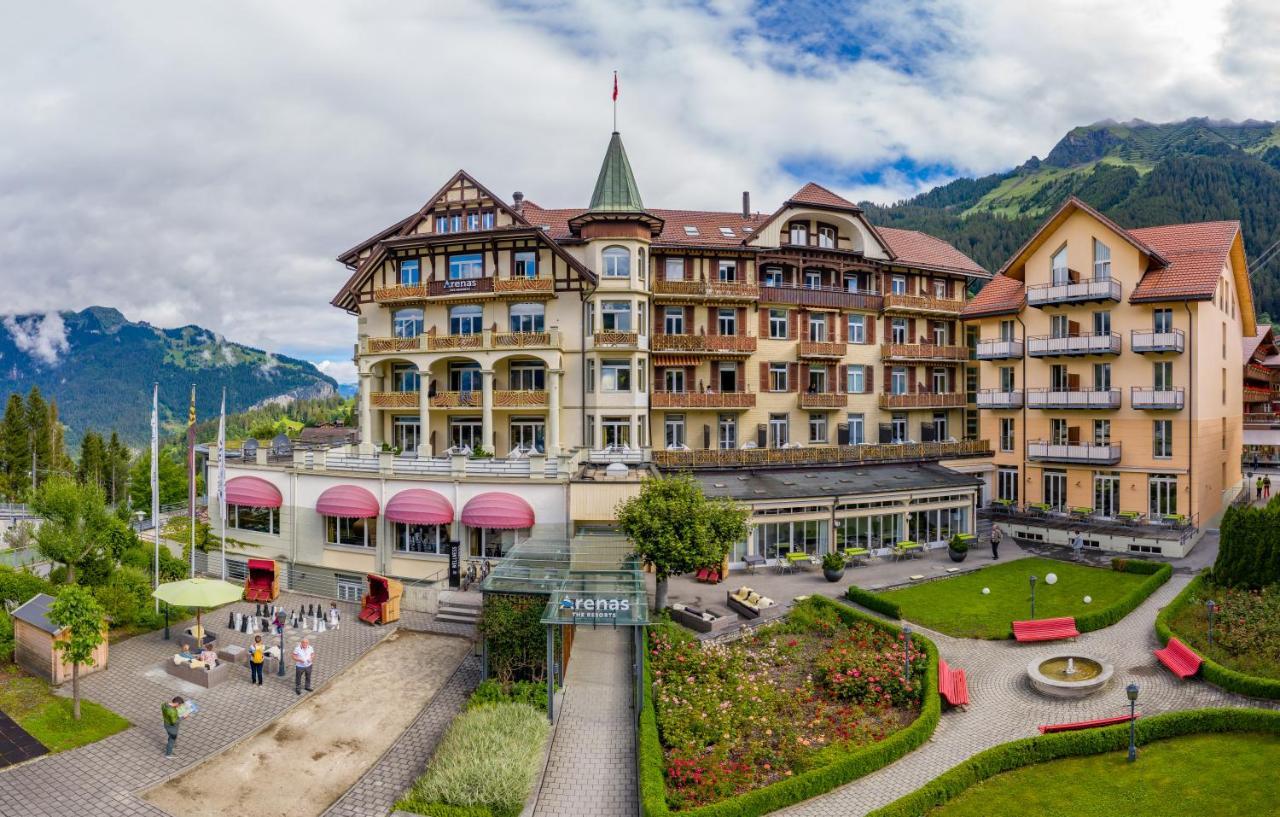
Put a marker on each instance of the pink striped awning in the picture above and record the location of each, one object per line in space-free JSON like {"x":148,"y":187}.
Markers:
{"x":253,"y":491}
{"x":348,"y":501}
{"x":499,"y":511}
{"x":418,"y":506}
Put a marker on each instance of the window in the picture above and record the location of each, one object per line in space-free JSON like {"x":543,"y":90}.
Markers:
{"x":727,"y":270}
{"x":410,"y":269}
{"x":615,"y":375}
{"x":857,"y":328}
{"x":1007,"y":381}
{"x":641,"y":322}
{"x":406,"y":433}
{"x":529,"y":433}
{"x":1059,"y":326}
{"x":673,"y":320}
{"x":674,"y":268}
{"x":617,"y":431}
{"x":527,"y":317}
{"x":351,"y":532}
{"x":615,"y":316}
{"x":259,"y":520}
{"x":691,"y":230}
{"x":1163,"y":492}
{"x":455,"y":223}
{"x":898,"y":330}
{"x":525,"y":265}
{"x":418,"y":538}
{"x":617,"y":262}
{"x":799,"y":233}
{"x":1101,"y":260}
{"x":1102,"y":432}
{"x":857,"y":429}
{"x":466,"y":320}
{"x":898,"y":428}
{"x":673,"y":380}
{"x":1162,"y":320}
{"x":1006,"y":433}
{"x":778,"y":324}
{"x":817,"y":379}
{"x":406,"y":323}
{"x":462,"y":267}
{"x":465,"y":377}
{"x":527,"y":375}
{"x":727,"y":375}
{"x":673,"y":430}
{"x":826,"y":237}
{"x":1102,"y":377}
{"x":817,"y":428}
{"x":473,"y":221}
{"x":1162,"y":438}
{"x":941,"y":289}
{"x":487,"y":220}
{"x":1058,"y":266}
{"x":727,"y":232}
{"x":778,"y":377}
{"x":1058,"y":433}
{"x":817,"y":326}
{"x":640,"y":387}
{"x":898,"y":380}
{"x":1162,"y":375}
{"x":727,"y":432}
{"x":404,"y":377}
{"x":642,"y":267}
{"x":812,"y":279}
{"x":898,"y":285}
{"x":940,"y":334}
{"x":1102,"y":323}
{"x":941,"y":381}
{"x":1055,"y":489}
{"x":442,"y":224}
{"x":591,"y":375}
{"x":1007,"y":331}
{"x":777,"y":539}
{"x":779,"y":430}
{"x":727,"y":321}
{"x":1007,"y":484}
{"x":773,"y":277}
{"x":856,"y":378}
{"x":1058,"y":378}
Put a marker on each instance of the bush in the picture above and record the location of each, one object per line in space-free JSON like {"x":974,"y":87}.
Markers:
{"x":1249,"y":547}
{"x":1043,"y":748}
{"x":512,"y":628}
{"x":1157,"y":572}
{"x":957,"y":544}
{"x":873,"y":601}
{"x":126,"y":597}
{"x":485,"y":764}
{"x":833,"y":561}
{"x":521,"y":692}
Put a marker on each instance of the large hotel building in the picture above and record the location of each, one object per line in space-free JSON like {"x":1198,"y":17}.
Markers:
{"x":522,"y":369}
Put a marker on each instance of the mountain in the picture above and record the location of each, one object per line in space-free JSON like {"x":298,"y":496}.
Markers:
{"x":1139,"y":173}
{"x":99,"y":366}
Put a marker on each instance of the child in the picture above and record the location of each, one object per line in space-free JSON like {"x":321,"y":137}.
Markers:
{"x":334,"y":617}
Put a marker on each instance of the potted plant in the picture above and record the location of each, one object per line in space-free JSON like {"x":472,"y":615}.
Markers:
{"x":833,"y":567}
{"x":957,"y":548}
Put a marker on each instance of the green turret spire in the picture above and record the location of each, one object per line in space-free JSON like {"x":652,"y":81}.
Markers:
{"x":616,"y":190}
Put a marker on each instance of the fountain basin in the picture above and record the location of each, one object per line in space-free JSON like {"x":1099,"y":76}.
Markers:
{"x":1050,"y":676}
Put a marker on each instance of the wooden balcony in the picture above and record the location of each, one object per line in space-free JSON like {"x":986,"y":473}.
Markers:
{"x":522,"y":398}
{"x":821,"y":348}
{"x":379,"y":346}
{"x":393,"y":399}
{"x":703,"y":400}
{"x":524,"y":287}
{"x":707,"y":344}
{"x":922,"y":304}
{"x":1253,"y":371}
{"x":457,"y":399}
{"x":823,"y":400}
{"x":933,"y":352}
{"x":434,"y":289}
{"x":620,"y":340}
{"x":922,"y":400}
{"x":1253,"y":394}
{"x":705,"y":290}
{"x":821,"y":455}
{"x":824,"y":297}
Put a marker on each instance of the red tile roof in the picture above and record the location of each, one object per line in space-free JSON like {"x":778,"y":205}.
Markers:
{"x":1196,"y":255}
{"x":1001,"y":296}
{"x":817,"y":194}
{"x":920,"y":249}
{"x":1249,"y":344}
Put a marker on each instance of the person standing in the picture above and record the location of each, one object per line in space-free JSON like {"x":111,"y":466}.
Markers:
{"x":1259,"y":486}
{"x":257,"y":657}
{"x":303,"y":656}
{"x":1077,"y":545}
{"x":171,"y":717}
{"x":996,"y":536}
{"x":1266,"y":487}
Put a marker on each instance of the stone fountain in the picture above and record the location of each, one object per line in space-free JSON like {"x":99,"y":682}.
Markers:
{"x":1069,"y":676}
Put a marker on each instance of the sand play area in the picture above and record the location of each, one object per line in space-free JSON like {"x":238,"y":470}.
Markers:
{"x":306,"y":759}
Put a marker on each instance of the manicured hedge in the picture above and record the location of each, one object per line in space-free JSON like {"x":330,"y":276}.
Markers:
{"x":841,"y":770}
{"x":1042,"y":748}
{"x":1157,"y":572}
{"x":1232,"y":680}
{"x":873,"y":601}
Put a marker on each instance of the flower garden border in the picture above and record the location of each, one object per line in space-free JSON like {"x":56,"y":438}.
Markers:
{"x":811,"y":783}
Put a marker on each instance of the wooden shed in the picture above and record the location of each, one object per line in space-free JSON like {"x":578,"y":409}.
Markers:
{"x":33,"y":643}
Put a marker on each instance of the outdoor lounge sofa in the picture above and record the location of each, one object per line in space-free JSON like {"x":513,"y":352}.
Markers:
{"x":701,"y":621}
{"x":199,"y":675}
{"x":747,"y":603}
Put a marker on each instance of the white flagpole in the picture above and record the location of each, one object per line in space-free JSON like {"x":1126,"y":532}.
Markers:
{"x":155,"y":481}
{"x":222,"y":478}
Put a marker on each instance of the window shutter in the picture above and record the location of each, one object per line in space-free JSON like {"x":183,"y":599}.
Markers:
{"x":871,"y":329}
{"x":764,"y":322}
{"x":712,"y":322}
{"x":793,"y":376}
{"x":791,"y":324}
{"x":869,"y":379}
{"x":764,"y":377}
{"x":911,"y":331}
{"x":911,"y":379}
{"x":688,"y":268}
{"x":842,"y":379}
{"x":740,"y":325}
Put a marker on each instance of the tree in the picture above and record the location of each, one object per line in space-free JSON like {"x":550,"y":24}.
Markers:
{"x":116,"y":475}
{"x":93,"y":459}
{"x":38,"y":426}
{"x":173,"y":480}
{"x":76,"y":523}
{"x":676,"y":529}
{"x":79,"y":616}
{"x":15,"y":448}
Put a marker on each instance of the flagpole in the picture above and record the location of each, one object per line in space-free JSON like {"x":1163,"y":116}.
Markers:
{"x":615,"y":101}
{"x":155,"y":482}
{"x":191,"y":476}
{"x":222,"y":478}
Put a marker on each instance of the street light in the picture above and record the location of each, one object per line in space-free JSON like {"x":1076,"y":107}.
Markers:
{"x":280,"y":630}
{"x":1033,"y":595}
{"x":1211,"y":607}
{"x":906,"y":649}
{"x":1132,"y":692}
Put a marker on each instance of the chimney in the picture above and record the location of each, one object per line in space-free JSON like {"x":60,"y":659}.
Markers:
{"x":517,"y":199}
{"x":746,"y":204}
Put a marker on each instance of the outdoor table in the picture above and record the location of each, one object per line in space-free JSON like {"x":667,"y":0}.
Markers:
{"x":904,"y":549}
{"x":753,"y":562}
{"x":856,"y":556}
{"x":1129,"y":517}
{"x":1081,"y":511}
{"x":798,"y":558}
{"x":234,"y":654}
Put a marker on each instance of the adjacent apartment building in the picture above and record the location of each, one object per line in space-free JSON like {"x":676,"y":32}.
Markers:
{"x":1110,"y":382}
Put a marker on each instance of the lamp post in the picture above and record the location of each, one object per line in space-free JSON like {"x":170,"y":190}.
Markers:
{"x":280,"y":630}
{"x":906,"y":649}
{"x":1132,"y":692}
{"x":1033,"y":595}
{"x":1211,"y":607}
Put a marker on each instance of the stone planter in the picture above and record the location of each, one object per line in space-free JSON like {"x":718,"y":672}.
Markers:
{"x":833,"y":575}
{"x":957,"y":555}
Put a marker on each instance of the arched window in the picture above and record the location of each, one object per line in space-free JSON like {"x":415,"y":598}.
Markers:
{"x":617,"y":262}
{"x":406,"y":323}
{"x":527,"y":317}
{"x":799,"y":233}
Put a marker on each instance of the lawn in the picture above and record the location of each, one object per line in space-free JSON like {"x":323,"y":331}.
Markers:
{"x":30,"y":702}
{"x":958,"y":607}
{"x":1195,"y":776}
{"x":1246,"y":628}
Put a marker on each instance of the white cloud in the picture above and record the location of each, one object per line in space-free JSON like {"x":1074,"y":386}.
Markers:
{"x":44,"y":338}
{"x":343,"y":371}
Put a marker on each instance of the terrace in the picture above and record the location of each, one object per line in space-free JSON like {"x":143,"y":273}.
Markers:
{"x":1072,"y":345}
{"x":999,"y":350}
{"x":1076,"y":291}
{"x":1074,"y":452}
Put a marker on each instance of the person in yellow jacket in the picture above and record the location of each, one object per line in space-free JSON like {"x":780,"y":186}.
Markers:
{"x":257,"y":656}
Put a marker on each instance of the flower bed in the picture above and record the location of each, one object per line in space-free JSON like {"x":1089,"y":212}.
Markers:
{"x":793,"y":710}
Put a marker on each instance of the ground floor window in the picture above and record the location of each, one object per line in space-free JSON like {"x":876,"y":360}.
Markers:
{"x":1007,"y":484}
{"x":937,"y":524}
{"x":529,"y":434}
{"x":1055,"y":490}
{"x":1163,"y":490}
{"x":419,"y":538}
{"x":727,"y":432}
{"x":406,"y":433}
{"x":490,"y":543}
{"x":350,"y":588}
{"x":673,"y":430}
{"x":617,"y":431}
{"x":817,"y":428}
{"x":779,"y":430}
{"x":340,"y":530}
{"x":259,"y":520}
{"x":870,"y":532}
{"x":465,"y":432}
{"x":1106,"y":494}
{"x":777,"y":539}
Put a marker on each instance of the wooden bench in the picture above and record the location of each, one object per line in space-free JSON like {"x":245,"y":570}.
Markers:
{"x":1045,"y":629}
{"x":1179,"y":658}
{"x":1071,"y":727}
{"x":952,"y":685}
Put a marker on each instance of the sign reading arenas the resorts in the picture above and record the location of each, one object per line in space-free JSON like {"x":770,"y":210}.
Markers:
{"x":595,"y":608}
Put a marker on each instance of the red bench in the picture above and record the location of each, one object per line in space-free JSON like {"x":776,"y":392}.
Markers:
{"x":1071,"y":727}
{"x":952,"y":685}
{"x":1045,"y":629}
{"x":1179,"y":658}
{"x":708,"y":575}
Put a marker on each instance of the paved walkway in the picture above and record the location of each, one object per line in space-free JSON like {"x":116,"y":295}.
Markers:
{"x":1005,"y":707}
{"x":591,"y":771}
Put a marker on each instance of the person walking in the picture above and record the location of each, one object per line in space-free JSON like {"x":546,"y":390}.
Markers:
{"x":1266,"y":487}
{"x":169,"y":710}
{"x":1258,"y":484}
{"x":996,"y":536}
{"x":303,"y":657}
{"x":257,"y":657}
{"x":1077,"y":545}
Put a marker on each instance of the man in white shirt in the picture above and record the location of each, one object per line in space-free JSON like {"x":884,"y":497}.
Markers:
{"x":303,"y":656}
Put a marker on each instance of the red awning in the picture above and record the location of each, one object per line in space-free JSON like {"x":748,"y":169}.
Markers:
{"x":418,"y":506}
{"x":497,"y":510}
{"x":253,"y":491}
{"x":348,"y":501}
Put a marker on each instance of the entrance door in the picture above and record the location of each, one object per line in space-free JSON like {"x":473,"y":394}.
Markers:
{"x":1055,"y":490}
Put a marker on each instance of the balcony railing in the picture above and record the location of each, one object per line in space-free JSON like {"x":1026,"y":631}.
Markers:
{"x":923,"y":351}
{"x":393,"y":399}
{"x":999,"y":349}
{"x":1147,"y":341}
{"x":821,"y":348}
{"x":1073,"y":399}
{"x":820,"y":400}
{"x":1085,"y":344}
{"x":457,"y":399}
{"x":721,"y":344}
{"x":821,"y":455}
{"x":436,"y":289}
{"x":704,"y":399}
{"x":486,"y":340}
{"x":710,"y":290}
{"x":523,"y":286}
{"x":995,"y":399}
{"x":829,"y":297}
{"x":1253,"y":394}
{"x":1157,"y":399}
{"x":519,"y":398}
{"x":1254,"y":371}
{"x":1266,"y":418}
{"x":1089,"y":290}
{"x":900,"y":302}
{"x":619,"y":339}
{"x":922,"y":400}
{"x":1084,"y":453}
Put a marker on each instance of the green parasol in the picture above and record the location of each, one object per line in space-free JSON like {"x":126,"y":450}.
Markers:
{"x":198,"y":593}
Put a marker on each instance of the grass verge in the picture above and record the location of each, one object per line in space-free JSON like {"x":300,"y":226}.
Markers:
{"x":30,"y":702}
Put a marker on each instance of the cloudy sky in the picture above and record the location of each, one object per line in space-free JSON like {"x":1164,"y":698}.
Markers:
{"x":203,"y":162}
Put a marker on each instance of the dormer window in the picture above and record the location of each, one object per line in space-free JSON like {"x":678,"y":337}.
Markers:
{"x":409,"y":272}
{"x":826,"y":237}
{"x":473,"y":221}
{"x":690,"y":230}
{"x":727,"y":232}
{"x":799,"y":233}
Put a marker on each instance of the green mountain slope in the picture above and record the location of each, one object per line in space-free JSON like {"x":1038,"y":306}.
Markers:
{"x":1138,"y":173}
